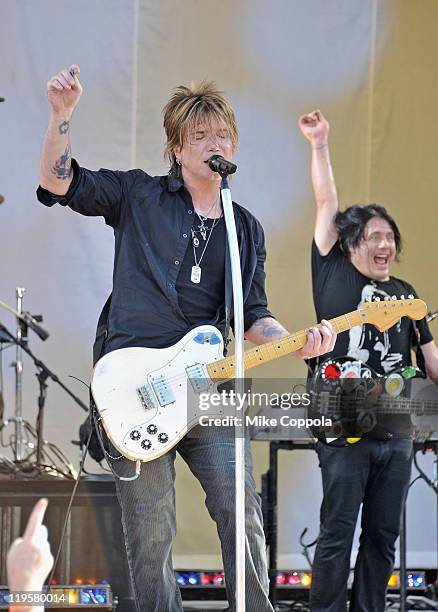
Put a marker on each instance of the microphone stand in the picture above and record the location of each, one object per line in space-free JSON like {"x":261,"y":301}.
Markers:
{"x":43,"y":374}
{"x":21,"y":343}
{"x":239,"y":441}
{"x":24,"y":321}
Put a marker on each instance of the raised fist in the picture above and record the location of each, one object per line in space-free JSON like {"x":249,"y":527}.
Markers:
{"x":64,"y":90}
{"x":315,"y":127}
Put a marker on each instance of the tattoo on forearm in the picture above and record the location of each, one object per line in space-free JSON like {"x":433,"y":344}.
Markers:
{"x":62,"y":168}
{"x":270,"y":328}
{"x":64,"y":127}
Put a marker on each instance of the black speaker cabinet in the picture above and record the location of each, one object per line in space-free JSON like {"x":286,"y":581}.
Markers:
{"x":93,"y":550}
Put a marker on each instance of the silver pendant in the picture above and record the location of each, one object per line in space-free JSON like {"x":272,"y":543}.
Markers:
{"x":195,"y":276}
{"x":195,"y":241}
{"x":203,"y":230}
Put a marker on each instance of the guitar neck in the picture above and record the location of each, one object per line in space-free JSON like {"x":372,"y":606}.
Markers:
{"x":224,"y":369}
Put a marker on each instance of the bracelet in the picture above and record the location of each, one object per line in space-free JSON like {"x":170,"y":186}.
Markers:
{"x":320,"y":147}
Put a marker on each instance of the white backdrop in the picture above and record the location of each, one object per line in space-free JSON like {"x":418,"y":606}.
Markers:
{"x":365,"y":64}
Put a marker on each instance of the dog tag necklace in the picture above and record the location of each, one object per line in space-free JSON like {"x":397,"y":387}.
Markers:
{"x":195,"y":276}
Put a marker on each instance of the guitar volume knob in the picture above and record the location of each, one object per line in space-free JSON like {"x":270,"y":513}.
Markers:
{"x":135,"y":435}
{"x":146,"y":444}
{"x":163,"y":438}
{"x":152,"y":429}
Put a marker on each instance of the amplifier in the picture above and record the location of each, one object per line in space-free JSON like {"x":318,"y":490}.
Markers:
{"x":93,"y":552}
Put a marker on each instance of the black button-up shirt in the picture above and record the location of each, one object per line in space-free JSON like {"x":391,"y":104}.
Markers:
{"x":152,"y":219}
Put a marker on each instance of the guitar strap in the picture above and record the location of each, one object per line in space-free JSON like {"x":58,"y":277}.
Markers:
{"x":95,"y":446}
{"x":101,"y":332}
{"x":419,"y":357}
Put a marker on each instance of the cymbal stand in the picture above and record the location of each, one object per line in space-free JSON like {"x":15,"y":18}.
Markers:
{"x":43,"y":374}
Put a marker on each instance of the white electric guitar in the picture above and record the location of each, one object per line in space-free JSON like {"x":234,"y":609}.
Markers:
{"x":142,"y":394}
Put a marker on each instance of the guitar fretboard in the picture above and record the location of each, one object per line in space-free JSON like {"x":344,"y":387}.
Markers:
{"x":224,"y":369}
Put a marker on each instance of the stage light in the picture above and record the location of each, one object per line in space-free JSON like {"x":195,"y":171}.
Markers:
{"x":394,"y":581}
{"x":206,"y":579}
{"x":94,"y":595}
{"x":219,"y":578}
{"x":286,"y":578}
{"x":73,"y":596}
{"x":294,"y":579}
{"x":193,"y":578}
{"x":414,"y":581}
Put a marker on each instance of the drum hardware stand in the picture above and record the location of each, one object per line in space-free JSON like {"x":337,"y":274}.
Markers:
{"x":25,"y":320}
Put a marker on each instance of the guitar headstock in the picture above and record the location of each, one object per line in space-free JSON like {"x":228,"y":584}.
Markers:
{"x":383,"y":314}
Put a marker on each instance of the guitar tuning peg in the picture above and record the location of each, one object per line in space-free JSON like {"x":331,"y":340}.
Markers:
{"x":377,"y":299}
{"x":410,"y":296}
{"x":394,"y":297}
{"x":387,"y":298}
{"x":402,"y":297}
{"x":368,"y":299}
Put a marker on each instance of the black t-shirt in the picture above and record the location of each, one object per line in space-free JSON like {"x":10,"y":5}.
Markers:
{"x":199,"y":301}
{"x":338,"y":288}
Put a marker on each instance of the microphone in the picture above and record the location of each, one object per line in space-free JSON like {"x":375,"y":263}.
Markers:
{"x":221,"y":165}
{"x":32,"y":322}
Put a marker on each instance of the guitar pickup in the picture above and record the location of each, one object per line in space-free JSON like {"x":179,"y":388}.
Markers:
{"x":198,"y":378}
{"x":163,"y":390}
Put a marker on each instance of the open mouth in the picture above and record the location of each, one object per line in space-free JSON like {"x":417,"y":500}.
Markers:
{"x":381,"y":260}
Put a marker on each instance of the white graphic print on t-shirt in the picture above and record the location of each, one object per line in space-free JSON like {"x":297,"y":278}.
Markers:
{"x":359,"y":334}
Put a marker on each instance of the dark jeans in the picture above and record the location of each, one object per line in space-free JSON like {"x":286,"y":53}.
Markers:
{"x":148,"y":518}
{"x":375,"y":473}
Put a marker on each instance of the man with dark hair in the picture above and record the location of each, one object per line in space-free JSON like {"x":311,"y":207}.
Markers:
{"x":351,"y":223}
{"x":352,"y":253}
{"x":169,"y":276}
